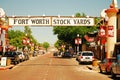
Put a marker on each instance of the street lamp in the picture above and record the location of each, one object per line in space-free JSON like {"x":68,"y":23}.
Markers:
{"x":78,"y":41}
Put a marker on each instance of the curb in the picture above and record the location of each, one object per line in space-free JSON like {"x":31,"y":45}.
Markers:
{"x":95,"y":68}
{"x":6,"y":67}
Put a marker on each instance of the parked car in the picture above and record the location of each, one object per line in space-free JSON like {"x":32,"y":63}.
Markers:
{"x":35,"y":53}
{"x":86,"y":56}
{"x":77,"y":55}
{"x":21,"y":56}
{"x":105,"y":65}
{"x":13,"y":56}
{"x":66,"y":54}
{"x":26,"y":55}
{"x":55,"y":53}
{"x":115,"y":69}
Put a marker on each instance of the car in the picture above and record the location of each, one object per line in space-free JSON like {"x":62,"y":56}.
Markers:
{"x":21,"y":56}
{"x":115,"y":69}
{"x":105,"y":64}
{"x":55,"y":53}
{"x":35,"y":53}
{"x":13,"y":56}
{"x":26,"y":55}
{"x":86,"y":56}
{"x":66,"y":54}
{"x":77,"y":56}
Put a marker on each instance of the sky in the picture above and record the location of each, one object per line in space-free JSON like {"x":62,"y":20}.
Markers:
{"x":52,"y":8}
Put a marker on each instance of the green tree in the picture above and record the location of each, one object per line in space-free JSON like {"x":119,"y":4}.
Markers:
{"x":46,"y":45}
{"x":58,"y":44}
{"x":67,"y":34}
{"x":28,"y":33}
{"x":15,"y":37}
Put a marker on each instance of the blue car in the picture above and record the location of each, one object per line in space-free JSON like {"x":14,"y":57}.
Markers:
{"x":67,"y":54}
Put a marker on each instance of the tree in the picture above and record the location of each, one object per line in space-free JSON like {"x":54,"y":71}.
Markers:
{"x":15,"y":37}
{"x":67,"y":34}
{"x":28,"y":33}
{"x":58,"y":44}
{"x":46,"y":45}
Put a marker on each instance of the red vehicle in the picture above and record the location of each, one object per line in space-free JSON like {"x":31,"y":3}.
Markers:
{"x":105,"y":65}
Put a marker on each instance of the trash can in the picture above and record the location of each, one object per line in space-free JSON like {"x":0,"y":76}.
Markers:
{"x":8,"y":62}
{"x":95,"y":63}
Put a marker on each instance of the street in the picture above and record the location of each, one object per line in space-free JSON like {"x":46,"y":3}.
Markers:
{"x":47,"y":67}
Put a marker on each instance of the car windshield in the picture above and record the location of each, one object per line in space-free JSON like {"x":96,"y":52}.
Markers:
{"x":109,"y":60}
{"x":87,"y":54}
{"x":10,"y":54}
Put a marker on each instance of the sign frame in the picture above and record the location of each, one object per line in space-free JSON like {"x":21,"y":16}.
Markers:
{"x":50,"y":21}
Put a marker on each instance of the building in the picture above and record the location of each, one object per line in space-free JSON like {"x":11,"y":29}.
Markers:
{"x":118,"y":26}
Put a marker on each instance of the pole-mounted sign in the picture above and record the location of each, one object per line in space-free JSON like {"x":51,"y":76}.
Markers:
{"x":110,"y":31}
{"x":50,"y":21}
{"x":78,"y":41}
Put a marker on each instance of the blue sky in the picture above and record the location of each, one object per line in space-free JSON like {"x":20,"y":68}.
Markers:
{"x":52,"y":8}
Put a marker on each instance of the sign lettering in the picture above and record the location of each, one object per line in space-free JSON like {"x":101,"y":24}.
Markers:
{"x":50,"y":21}
{"x":110,"y":31}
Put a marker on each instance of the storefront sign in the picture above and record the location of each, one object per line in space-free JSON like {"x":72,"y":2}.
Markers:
{"x":110,"y":31}
{"x":78,"y":41}
{"x":50,"y":21}
{"x":102,"y":31}
{"x":89,"y":39}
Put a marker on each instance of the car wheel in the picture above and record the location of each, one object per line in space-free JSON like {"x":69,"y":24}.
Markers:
{"x":107,"y":72}
{"x":15,"y":62}
{"x":112,"y":74}
{"x":100,"y":69}
{"x":18,"y":62}
{"x":80,"y":62}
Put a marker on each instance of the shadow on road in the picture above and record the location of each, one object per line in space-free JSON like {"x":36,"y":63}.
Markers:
{"x":46,"y":65}
{"x":62,"y":57}
{"x":109,"y":75}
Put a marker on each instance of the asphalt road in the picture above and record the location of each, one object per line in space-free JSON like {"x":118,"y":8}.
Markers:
{"x":47,"y":67}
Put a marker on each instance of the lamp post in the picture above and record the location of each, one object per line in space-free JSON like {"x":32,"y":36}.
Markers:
{"x":111,"y":27}
{"x":78,"y":41}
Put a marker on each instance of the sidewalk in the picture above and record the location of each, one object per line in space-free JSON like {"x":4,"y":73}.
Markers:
{"x":6,"y":67}
{"x":94,"y":66}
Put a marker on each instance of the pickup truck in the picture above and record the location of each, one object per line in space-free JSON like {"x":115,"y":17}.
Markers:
{"x":13,"y":56}
{"x":115,"y":69}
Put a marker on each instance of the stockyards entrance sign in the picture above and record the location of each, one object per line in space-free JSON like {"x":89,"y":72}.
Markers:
{"x":50,"y":21}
